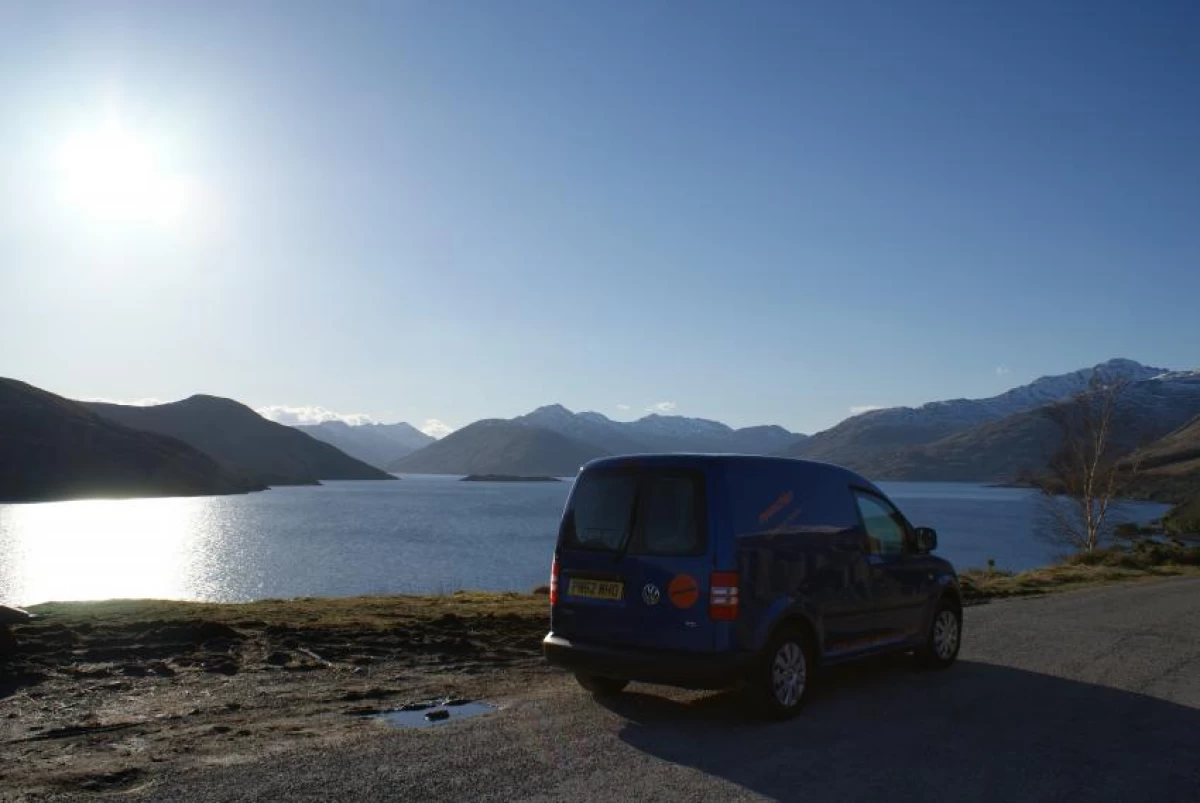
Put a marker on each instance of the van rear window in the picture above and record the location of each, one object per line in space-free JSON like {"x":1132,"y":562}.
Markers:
{"x":642,"y":512}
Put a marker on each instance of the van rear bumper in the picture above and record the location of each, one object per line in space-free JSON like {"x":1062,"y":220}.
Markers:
{"x":686,"y":669}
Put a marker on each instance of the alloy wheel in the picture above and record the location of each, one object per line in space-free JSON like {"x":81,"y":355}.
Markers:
{"x":789,"y":673}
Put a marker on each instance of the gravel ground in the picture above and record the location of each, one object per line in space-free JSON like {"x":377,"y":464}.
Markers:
{"x":1089,"y":695}
{"x":110,"y":696}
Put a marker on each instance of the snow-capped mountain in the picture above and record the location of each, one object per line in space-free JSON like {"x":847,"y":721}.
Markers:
{"x":881,"y":431}
{"x":1017,"y":444}
{"x":908,"y":444}
{"x":1050,"y":389}
{"x":1179,"y":376}
{"x":1041,"y":391}
{"x":1164,"y":402}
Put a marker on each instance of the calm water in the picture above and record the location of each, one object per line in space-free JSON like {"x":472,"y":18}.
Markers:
{"x":423,"y":534}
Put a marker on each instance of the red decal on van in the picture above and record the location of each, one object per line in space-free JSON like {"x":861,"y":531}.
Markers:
{"x":779,"y":504}
{"x":683,"y":591}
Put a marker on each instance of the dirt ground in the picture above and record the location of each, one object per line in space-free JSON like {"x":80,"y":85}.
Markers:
{"x":104,"y":697}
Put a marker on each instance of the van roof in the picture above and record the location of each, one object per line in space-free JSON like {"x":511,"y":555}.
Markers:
{"x":699,"y":460}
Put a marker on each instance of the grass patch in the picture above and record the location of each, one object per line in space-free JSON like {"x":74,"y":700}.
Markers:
{"x":359,"y":613}
{"x":1144,"y":560}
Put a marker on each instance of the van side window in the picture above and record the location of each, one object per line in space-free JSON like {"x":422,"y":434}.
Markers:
{"x":887,"y":533}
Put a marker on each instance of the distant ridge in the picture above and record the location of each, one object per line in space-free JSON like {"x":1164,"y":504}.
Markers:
{"x":861,"y":442}
{"x":495,"y":446}
{"x":52,"y":448}
{"x":241,"y":439}
{"x":553,"y":440}
{"x":380,"y":445}
{"x":1004,"y":448}
{"x":959,"y":440}
{"x":659,"y":433}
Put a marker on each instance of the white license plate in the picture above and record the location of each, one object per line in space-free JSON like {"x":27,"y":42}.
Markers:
{"x":595,"y":589}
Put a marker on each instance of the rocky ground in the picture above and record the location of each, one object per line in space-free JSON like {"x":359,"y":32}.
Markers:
{"x":108,"y":696}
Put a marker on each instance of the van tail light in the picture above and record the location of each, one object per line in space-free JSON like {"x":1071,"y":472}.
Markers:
{"x":554,"y":581}
{"x":723,"y":596}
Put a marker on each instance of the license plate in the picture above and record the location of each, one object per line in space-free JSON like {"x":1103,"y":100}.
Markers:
{"x":595,"y":589}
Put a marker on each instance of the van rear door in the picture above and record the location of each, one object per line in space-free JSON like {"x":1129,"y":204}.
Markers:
{"x":634,"y":559}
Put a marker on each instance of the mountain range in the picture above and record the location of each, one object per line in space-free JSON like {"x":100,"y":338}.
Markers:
{"x":53,"y":448}
{"x":379,"y":445}
{"x":997,"y":439}
{"x":658,"y":433}
{"x":555,"y":441}
{"x":208,"y":444}
{"x":966,"y":440}
{"x":859,"y":440}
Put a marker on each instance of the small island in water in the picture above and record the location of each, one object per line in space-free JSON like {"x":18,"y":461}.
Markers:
{"x":506,"y":478}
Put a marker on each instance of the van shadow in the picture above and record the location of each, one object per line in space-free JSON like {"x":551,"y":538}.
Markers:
{"x":885,"y":731}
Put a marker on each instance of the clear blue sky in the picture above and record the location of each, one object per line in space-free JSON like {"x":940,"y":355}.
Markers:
{"x":757,"y":212}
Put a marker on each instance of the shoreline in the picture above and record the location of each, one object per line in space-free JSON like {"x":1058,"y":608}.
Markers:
{"x":509,"y":478}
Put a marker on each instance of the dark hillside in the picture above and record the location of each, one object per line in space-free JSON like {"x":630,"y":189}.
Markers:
{"x":52,"y":448}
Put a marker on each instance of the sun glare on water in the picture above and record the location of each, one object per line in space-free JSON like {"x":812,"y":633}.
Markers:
{"x":114,"y":174}
{"x":100,"y":549}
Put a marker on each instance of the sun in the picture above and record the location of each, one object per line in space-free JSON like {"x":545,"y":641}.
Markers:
{"x":112,"y":173}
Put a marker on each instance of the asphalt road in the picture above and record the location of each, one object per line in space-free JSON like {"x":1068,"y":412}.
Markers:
{"x":1092,"y":695}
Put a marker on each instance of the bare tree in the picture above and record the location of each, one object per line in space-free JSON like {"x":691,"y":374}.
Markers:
{"x":1083,"y":473}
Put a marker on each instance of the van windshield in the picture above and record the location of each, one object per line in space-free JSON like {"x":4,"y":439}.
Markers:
{"x":644,"y":512}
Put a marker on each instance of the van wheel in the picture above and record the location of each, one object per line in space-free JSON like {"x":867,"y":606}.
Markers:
{"x":601,"y":687}
{"x":944,"y":638}
{"x":783,"y":675}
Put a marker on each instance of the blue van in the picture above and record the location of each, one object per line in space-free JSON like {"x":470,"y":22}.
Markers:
{"x":719,"y":571}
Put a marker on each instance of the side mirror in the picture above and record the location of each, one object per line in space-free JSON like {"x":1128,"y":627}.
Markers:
{"x":926,"y":538}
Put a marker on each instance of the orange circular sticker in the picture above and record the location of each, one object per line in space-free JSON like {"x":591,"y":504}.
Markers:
{"x":683,"y":591}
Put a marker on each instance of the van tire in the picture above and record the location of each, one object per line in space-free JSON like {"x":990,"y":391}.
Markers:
{"x":783,"y":674}
{"x":944,"y":638}
{"x":601,"y":686}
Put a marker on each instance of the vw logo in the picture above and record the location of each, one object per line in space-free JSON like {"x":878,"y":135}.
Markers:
{"x":650,"y":594}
